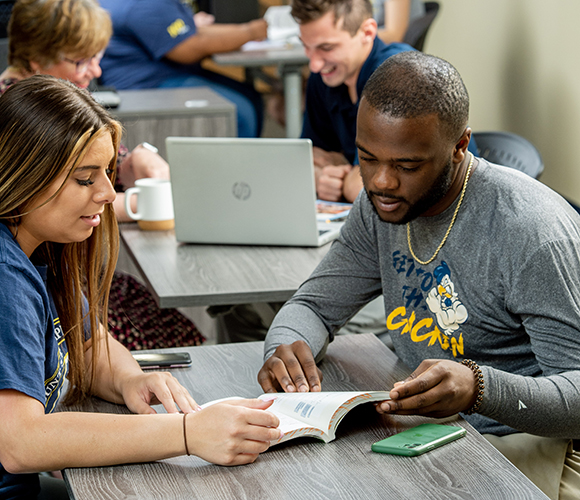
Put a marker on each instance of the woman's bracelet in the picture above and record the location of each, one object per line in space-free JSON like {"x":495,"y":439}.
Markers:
{"x":185,"y":434}
{"x":474,"y":367}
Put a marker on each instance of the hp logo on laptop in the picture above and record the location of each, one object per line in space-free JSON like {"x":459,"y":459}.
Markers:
{"x":241,"y":191}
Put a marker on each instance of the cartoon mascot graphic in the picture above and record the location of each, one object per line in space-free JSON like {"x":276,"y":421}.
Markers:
{"x":443,"y":302}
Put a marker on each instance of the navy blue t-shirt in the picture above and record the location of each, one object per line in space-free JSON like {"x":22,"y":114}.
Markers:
{"x":143,"y":32}
{"x":330,"y":115}
{"x":33,"y":352}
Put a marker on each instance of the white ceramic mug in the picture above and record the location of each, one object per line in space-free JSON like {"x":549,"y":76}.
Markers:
{"x":154,"y":204}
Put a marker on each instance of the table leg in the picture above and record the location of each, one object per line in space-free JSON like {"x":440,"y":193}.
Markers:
{"x":293,"y":100}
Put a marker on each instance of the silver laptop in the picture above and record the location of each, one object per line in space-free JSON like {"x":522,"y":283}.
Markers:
{"x":245,"y":192}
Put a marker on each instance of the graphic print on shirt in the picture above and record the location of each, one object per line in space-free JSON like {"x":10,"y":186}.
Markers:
{"x":54,"y":384}
{"x":177,"y":27}
{"x":443,"y":302}
{"x":432,"y":293}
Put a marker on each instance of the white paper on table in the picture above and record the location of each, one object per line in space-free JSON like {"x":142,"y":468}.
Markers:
{"x":281,"y":24}
{"x":264,"y":45}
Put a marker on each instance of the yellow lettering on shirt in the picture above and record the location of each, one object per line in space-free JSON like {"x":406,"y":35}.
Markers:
{"x":422,"y":332}
{"x":457,"y":345}
{"x":176,"y":28}
{"x":399,"y":311}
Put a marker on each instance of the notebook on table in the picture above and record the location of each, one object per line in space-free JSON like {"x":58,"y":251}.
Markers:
{"x":245,"y":192}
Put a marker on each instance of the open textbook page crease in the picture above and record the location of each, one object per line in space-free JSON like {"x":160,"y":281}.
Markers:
{"x":314,"y":414}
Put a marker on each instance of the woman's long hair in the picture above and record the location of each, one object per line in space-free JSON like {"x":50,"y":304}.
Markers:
{"x":47,"y":125}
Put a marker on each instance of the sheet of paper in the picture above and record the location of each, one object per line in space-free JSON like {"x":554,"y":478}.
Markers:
{"x":264,"y":45}
{"x":316,"y":409}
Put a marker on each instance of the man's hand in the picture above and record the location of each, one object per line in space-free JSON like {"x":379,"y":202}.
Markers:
{"x":352,"y":184}
{"x":322,"y":158}
{"x":291,"y":368}
{"x":437,"y":388}
{"x":330,"y":182}
{"x":332,"y":175}
{"x":142,"y":163}
{"x":257,"y":29}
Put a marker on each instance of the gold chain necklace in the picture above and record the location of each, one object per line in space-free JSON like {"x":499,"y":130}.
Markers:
{"x":424,"y":263}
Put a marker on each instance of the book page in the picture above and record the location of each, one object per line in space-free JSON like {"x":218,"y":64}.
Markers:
{"x":314,"y":414}
{"x":321,"y":410}
{"x":288,"y":425}
{"x":293,"y":428}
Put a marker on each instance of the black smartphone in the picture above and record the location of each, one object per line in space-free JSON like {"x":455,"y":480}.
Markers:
{"x":148,"y":360}
{"x":418,"y":440}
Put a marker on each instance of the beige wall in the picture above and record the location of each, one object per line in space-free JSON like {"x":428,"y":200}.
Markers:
{"x":520,"y":60}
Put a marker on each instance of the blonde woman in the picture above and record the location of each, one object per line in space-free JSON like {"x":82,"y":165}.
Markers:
{"x":66,"y":39}
{"x":58,"y":246}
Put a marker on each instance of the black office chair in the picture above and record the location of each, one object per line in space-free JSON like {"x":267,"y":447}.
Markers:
{"x":3,"y":54}
{"x":5,"y":12}
{"x":418,"y":28}
{"x":231,"y":11}
{"x":511,"y":150}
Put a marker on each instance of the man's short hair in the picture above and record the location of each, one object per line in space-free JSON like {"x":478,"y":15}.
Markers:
{"x":413,"y":84}
{"x":354,"y":12}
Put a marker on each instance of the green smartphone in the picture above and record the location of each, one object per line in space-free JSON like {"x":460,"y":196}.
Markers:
{"x":418,"y":440}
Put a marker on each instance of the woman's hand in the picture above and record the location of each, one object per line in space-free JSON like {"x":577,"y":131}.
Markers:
{"x":142,"y":390}
{"x":232,"y":433}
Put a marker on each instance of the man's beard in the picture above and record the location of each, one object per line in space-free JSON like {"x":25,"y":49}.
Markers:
{"x":433,"y":196}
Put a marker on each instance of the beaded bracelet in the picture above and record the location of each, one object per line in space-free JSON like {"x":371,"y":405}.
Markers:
{"x":185,"y":434}
{"x":474,"y":367}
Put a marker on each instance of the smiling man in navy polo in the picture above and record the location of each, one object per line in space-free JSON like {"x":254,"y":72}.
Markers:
{"x":340,"y":39}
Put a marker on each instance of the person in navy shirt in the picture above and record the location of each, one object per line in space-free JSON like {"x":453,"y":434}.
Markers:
{"x":340,"y":39}
{"x":58,"y":249}
{"x":156,"y":43}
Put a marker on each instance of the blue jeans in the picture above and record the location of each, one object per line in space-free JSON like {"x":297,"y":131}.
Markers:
{"x":250,"y":109}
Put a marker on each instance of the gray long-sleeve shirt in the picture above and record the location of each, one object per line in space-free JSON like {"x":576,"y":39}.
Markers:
{"x":504,"y":291}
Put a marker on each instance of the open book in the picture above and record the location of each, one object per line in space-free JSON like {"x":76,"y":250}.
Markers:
{"x":314,"y":414}
{"x":331,"y":211}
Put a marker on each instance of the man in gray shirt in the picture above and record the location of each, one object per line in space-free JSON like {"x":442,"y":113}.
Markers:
{"x":490,"y":319}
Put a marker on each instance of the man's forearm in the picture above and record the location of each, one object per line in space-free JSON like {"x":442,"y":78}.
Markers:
{"x":208,"y":41}
{"x":296,"y":322}
{"x":545,"y":406}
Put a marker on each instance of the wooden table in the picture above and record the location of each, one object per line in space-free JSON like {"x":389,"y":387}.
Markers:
{"x":184,"y":275}
{"x":304,"y":469}
{"x":290,"y":61}
{"x":151,"y":115}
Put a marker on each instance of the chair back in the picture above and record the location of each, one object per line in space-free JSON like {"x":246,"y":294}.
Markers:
{"x":231,"y":11}
{"x":3,"y":54}
{"x":418,"y":28}
{"x":511,"y":150}
{"x":5,"y":12}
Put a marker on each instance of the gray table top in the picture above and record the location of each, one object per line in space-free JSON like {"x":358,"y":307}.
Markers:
{"x":293,"y":55}
{"x":469,"y":468}
{"x":183,"y":275}
{"x":170,"y":102}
